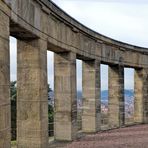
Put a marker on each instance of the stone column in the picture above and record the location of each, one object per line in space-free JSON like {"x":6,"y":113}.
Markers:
{"x":5,"y":136}
{"x":145,"y":95}
{"x":91,"y":115}
{"x":65,"y":120}
{"x":116,"y":96}
{"x":140,"y":99}
{"x":32,"y":98}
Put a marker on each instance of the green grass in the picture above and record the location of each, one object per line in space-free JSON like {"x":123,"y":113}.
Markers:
{"x":13,"y":143}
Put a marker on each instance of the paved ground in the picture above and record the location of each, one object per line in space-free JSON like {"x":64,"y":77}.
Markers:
{"x":129,"y":137}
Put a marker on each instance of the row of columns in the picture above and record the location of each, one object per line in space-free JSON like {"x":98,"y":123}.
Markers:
{"x":32,"y":102}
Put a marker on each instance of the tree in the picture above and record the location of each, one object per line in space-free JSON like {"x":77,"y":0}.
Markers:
{"x":13,"y":93}
{"x":13,"y":90}
{"x":50,"y":112}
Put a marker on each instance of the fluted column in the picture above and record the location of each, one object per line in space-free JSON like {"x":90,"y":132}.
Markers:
{"x":32,"y":98}
{"x":91,"y":96}
{"x":65,"y":120}
{"x":140,"y":96}
{"x":5,"y":136}
{"x":116,"y":96}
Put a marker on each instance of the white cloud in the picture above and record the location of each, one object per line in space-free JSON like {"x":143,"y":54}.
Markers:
{"x":50,"y":67}
{"x":129,"y":78}
{"x":79,"y":74}
{"x":104,"y":77}
{"x":122,"y":20}
{"x":13,"y":47}
{"x":104,"y":1}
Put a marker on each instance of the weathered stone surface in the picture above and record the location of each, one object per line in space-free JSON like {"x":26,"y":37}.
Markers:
{"x":65,"y":123}
{"x":5,"y":138}
{"x":145,"y":95}
{"x":116,"y":96}
{"x":140,"y":99}
{"x":91,"y":115}
{"x":32,"y":100}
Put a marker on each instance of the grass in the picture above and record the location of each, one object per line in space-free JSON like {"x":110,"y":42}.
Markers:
{"x":13,"y":143}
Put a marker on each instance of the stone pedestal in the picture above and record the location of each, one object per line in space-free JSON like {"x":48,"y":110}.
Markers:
{"x":91,"y":115}
{"x":65,"y":119}
{"x":32,"y":98}
{"x":140,"y":98}
{"x":116,"y":96}
{"x":5,"y":136}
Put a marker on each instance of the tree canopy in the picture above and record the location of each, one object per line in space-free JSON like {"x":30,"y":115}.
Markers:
{"x":13,"y":93}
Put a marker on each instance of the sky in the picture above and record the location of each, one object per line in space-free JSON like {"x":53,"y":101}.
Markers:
{"x":123,"y":20}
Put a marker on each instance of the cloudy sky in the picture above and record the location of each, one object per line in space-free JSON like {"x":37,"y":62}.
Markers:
{"x":124,"y":20}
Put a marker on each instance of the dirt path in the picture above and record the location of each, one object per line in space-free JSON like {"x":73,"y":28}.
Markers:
{"x":129,"y":137}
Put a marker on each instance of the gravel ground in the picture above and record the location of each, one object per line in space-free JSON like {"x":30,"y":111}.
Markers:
{"x":128,"y":137}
